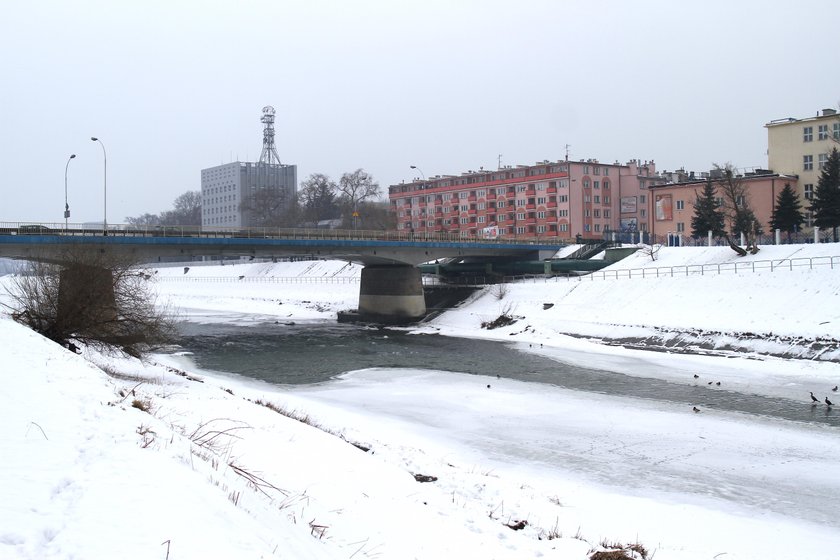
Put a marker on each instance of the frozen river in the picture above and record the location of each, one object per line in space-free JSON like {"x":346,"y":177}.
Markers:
{"x":745,"y":453}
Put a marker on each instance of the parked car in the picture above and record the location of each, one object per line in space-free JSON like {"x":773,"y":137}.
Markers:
{"x":34,"y":229}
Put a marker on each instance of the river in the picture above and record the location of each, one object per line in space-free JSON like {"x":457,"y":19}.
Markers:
{"x":308,"y":354}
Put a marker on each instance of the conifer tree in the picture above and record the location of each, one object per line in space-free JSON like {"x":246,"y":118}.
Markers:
{"x":707,"y":214}
{"x":787,"y":214}
{"x":826,"y":202}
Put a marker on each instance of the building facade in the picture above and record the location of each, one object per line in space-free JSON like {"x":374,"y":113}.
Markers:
{"x":801,"y":146}
{"x":229,"y":192}
{"x":563,"y":199}
{"x":672,"y":204}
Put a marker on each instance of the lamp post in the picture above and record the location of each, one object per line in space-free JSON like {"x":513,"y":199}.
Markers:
{"x":66,"y":205}
{"x":420,"y":170}
{"x":105,"y":187}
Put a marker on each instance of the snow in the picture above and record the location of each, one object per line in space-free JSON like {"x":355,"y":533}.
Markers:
{"x":207,"y":472}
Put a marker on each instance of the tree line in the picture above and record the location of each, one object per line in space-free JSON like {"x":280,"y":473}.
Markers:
{"x":352,"y":202}
{"x":725,"y":201}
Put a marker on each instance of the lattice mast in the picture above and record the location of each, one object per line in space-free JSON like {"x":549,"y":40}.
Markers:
{"x":269,"y":152}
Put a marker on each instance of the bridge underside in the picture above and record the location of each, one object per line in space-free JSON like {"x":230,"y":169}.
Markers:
{"x":391,"y":289}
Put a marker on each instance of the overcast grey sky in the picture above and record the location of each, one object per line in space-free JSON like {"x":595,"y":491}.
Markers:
{"x":174,"y":86}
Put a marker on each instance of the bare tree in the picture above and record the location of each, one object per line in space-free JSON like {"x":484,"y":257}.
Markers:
{"x":100,"y":300}
{"x":651,"y":251}
{"x":187,"y":211}
{"x":318,"y":198}
{"x":356,"y":188}
{"x":265,"y":207}
{"x":736,"y":206}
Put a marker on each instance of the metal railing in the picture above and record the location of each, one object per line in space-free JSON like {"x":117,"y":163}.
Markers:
{"x":128,"y":230}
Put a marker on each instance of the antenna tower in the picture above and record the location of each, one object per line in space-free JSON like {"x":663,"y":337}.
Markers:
{"x":269,"y":152}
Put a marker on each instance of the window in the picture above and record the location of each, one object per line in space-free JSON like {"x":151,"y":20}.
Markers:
{"x":596,"y":184}
{"x":822,"y":132}
{"x":642,"y":212}
{"x":837,"y":131}
{"x":597,"y":227}
{"x":596,"y":199}
{"x":520,"y":229}
{"x":587,"y":198}
{"x":587,"y":213}
{"x":481,"y":193}
{"x":641,"y":198}
{"x":541,"y":200}
{"x":564,"y":183}
{"x":465,"y":220}
{"x":563,"y":213}
{"x":597,"y":213}
{"x":606,"y":185}
{"x":808,"y":134}
{"x":501,"y":190}
{"x":520,"y":202}
{"x":541,"y":215}
{"x":500,"y":218}
{"x":481,"y":205}
{"x":564,"y":227}
{"x":481,"y":219}
{"x":464,"y":194}
{"x":606,"y":213}
{"x":739,"y":201}
{"x":465,"y":207}
{"x":520,"y":215}
{"x":680,"y":205}
{"x":809,"y":191}
{"x":586,"y":183}
{"x":807,"y":163}
{"x":520,"y":188}
{"x":606,"y":200}
{"x":586,"y":169}
{"x":563,"y":198}
{"x":540,"y":229}
{"x":500,"y":204}
{"x":597,"y":171}
{"x":587,"y":227}
{"x":823,"y":159}
{"x":680,"y":227}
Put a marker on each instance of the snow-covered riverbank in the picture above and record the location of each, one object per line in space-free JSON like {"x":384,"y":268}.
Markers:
{"x":207,"y":472}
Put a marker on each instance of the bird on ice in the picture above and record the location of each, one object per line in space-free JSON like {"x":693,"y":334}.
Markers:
{"x":828,"y":402}
{"x":813,"y":398}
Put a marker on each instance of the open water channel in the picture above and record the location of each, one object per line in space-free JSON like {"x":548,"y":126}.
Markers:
{"x":308,"y":354}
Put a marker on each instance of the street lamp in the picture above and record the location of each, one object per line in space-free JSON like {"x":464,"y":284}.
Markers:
{"x":420,"y":170}
{"x":66,"y":205}
{"x":105,"y":187}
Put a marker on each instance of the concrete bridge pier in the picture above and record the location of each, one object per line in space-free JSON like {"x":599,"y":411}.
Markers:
{"x":391,"y":294}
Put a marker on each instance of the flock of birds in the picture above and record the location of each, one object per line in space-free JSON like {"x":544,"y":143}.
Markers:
{"x":815,"y":401}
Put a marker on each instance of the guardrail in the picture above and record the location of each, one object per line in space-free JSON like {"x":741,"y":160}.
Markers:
{"x":23,"y":228}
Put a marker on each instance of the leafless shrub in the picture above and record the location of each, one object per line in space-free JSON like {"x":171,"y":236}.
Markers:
{"x":98,"y":299}
{"x":651,"y":251}
{"x":618,"y":551}
{"x":505,"y":318}
{"x":142,"y":404}
{"x":500,"y":291}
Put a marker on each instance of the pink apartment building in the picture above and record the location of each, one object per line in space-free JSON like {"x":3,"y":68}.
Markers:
{"x":672,"y":204}
{"x":561,"y":199}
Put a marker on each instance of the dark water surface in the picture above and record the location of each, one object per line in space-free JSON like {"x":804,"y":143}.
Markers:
{"x":306,"y":354}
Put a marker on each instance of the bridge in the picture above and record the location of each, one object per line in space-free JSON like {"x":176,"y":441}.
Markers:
{"x":391,"y":289}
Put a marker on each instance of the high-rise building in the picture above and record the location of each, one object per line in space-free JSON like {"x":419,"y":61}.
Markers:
{"x":801,"y":146}
{"x":548,"y":199}
{"x":246,"y":194}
